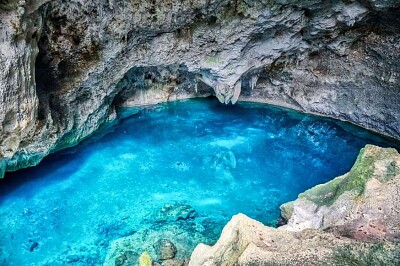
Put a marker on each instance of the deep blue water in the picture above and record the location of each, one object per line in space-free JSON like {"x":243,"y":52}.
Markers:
{"x":219,"y":159}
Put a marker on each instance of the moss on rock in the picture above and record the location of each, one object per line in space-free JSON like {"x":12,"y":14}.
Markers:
{"x":367,"y":254}
{"x":354,"y":181}
{"x":287,"y":210}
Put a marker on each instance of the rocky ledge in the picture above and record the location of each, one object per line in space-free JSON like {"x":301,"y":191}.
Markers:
{"x":66,"y":66}
{"x":352,"y":220}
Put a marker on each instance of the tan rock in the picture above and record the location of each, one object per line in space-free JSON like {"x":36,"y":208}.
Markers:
{"x":173,"y":262}
{"x":363,"y":204}
{"x":358,"y":211}
{"x":247,"y":242}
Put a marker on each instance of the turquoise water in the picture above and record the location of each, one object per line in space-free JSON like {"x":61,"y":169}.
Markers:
{"x":219,"y":159}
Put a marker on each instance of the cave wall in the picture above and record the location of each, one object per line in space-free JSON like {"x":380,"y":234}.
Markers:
{"x":67,"y":65}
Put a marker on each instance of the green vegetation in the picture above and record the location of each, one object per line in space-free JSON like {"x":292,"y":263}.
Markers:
{"x":354,"y":181}
{"x":367,"y":254}
{"x":287,"y":210}
{"x":324,"y":194}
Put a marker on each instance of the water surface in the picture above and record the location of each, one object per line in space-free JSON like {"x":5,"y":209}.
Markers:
{"x":219,"y":159}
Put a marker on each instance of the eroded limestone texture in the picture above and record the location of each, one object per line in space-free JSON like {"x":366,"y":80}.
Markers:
{"x":333,"y":58}
{"x":363,"y":204}
{"x":245,"y":241}
{"x":351,"y":220}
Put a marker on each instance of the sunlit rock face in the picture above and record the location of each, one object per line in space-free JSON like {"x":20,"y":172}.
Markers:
{"x":245,"y":241}
{"x":362,"y":204}
{"x":20,"y":28}
{"x":351,"y":219}
{"x":339,"y":59}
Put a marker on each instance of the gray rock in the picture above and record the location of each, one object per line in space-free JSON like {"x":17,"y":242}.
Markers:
{"x":175,"y":212}
{"x":184,"y":236}
{"x":66,"y":66}
{"x":173,"y":262}
{"x":73,"y":258}
{"x":120,"y":260}
{"x":165,"y":249}
{"x":126,"y":258}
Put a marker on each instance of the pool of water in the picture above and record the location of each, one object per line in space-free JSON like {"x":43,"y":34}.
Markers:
{"x":221,"y":160}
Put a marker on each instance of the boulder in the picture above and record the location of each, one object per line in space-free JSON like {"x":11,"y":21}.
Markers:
{"x":245,"y":241}
{"x":164,"y":249}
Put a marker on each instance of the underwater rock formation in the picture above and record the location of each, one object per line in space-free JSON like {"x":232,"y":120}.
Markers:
{"x":168,"y":242}
{"x":353,"y":218}
{"x":165,"y":249}
{"x":66,"y":66}
{"x":175,"y":212}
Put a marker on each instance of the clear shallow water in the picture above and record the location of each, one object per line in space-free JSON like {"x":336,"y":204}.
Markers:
{"x":219,"y":159}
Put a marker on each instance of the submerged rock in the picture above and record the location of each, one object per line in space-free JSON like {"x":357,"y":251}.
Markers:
{"x":169,"y":242}
{"x":164,"y":249}
{"x":175,"y":212}
{"x":173,"y":262}
{"x":128,"y":249}
{"x":351,"y":220}
{"x":128,"y":258}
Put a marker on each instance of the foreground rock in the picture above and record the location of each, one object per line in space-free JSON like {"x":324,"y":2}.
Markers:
{"x":245,"y":241}
{"x":358,"y":211}
{"x":363,"y":204}
{"x":66,"y":66}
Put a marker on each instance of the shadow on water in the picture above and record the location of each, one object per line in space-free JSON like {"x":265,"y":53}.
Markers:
{"x":63,"y":162}
{"x":13,"y":181}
